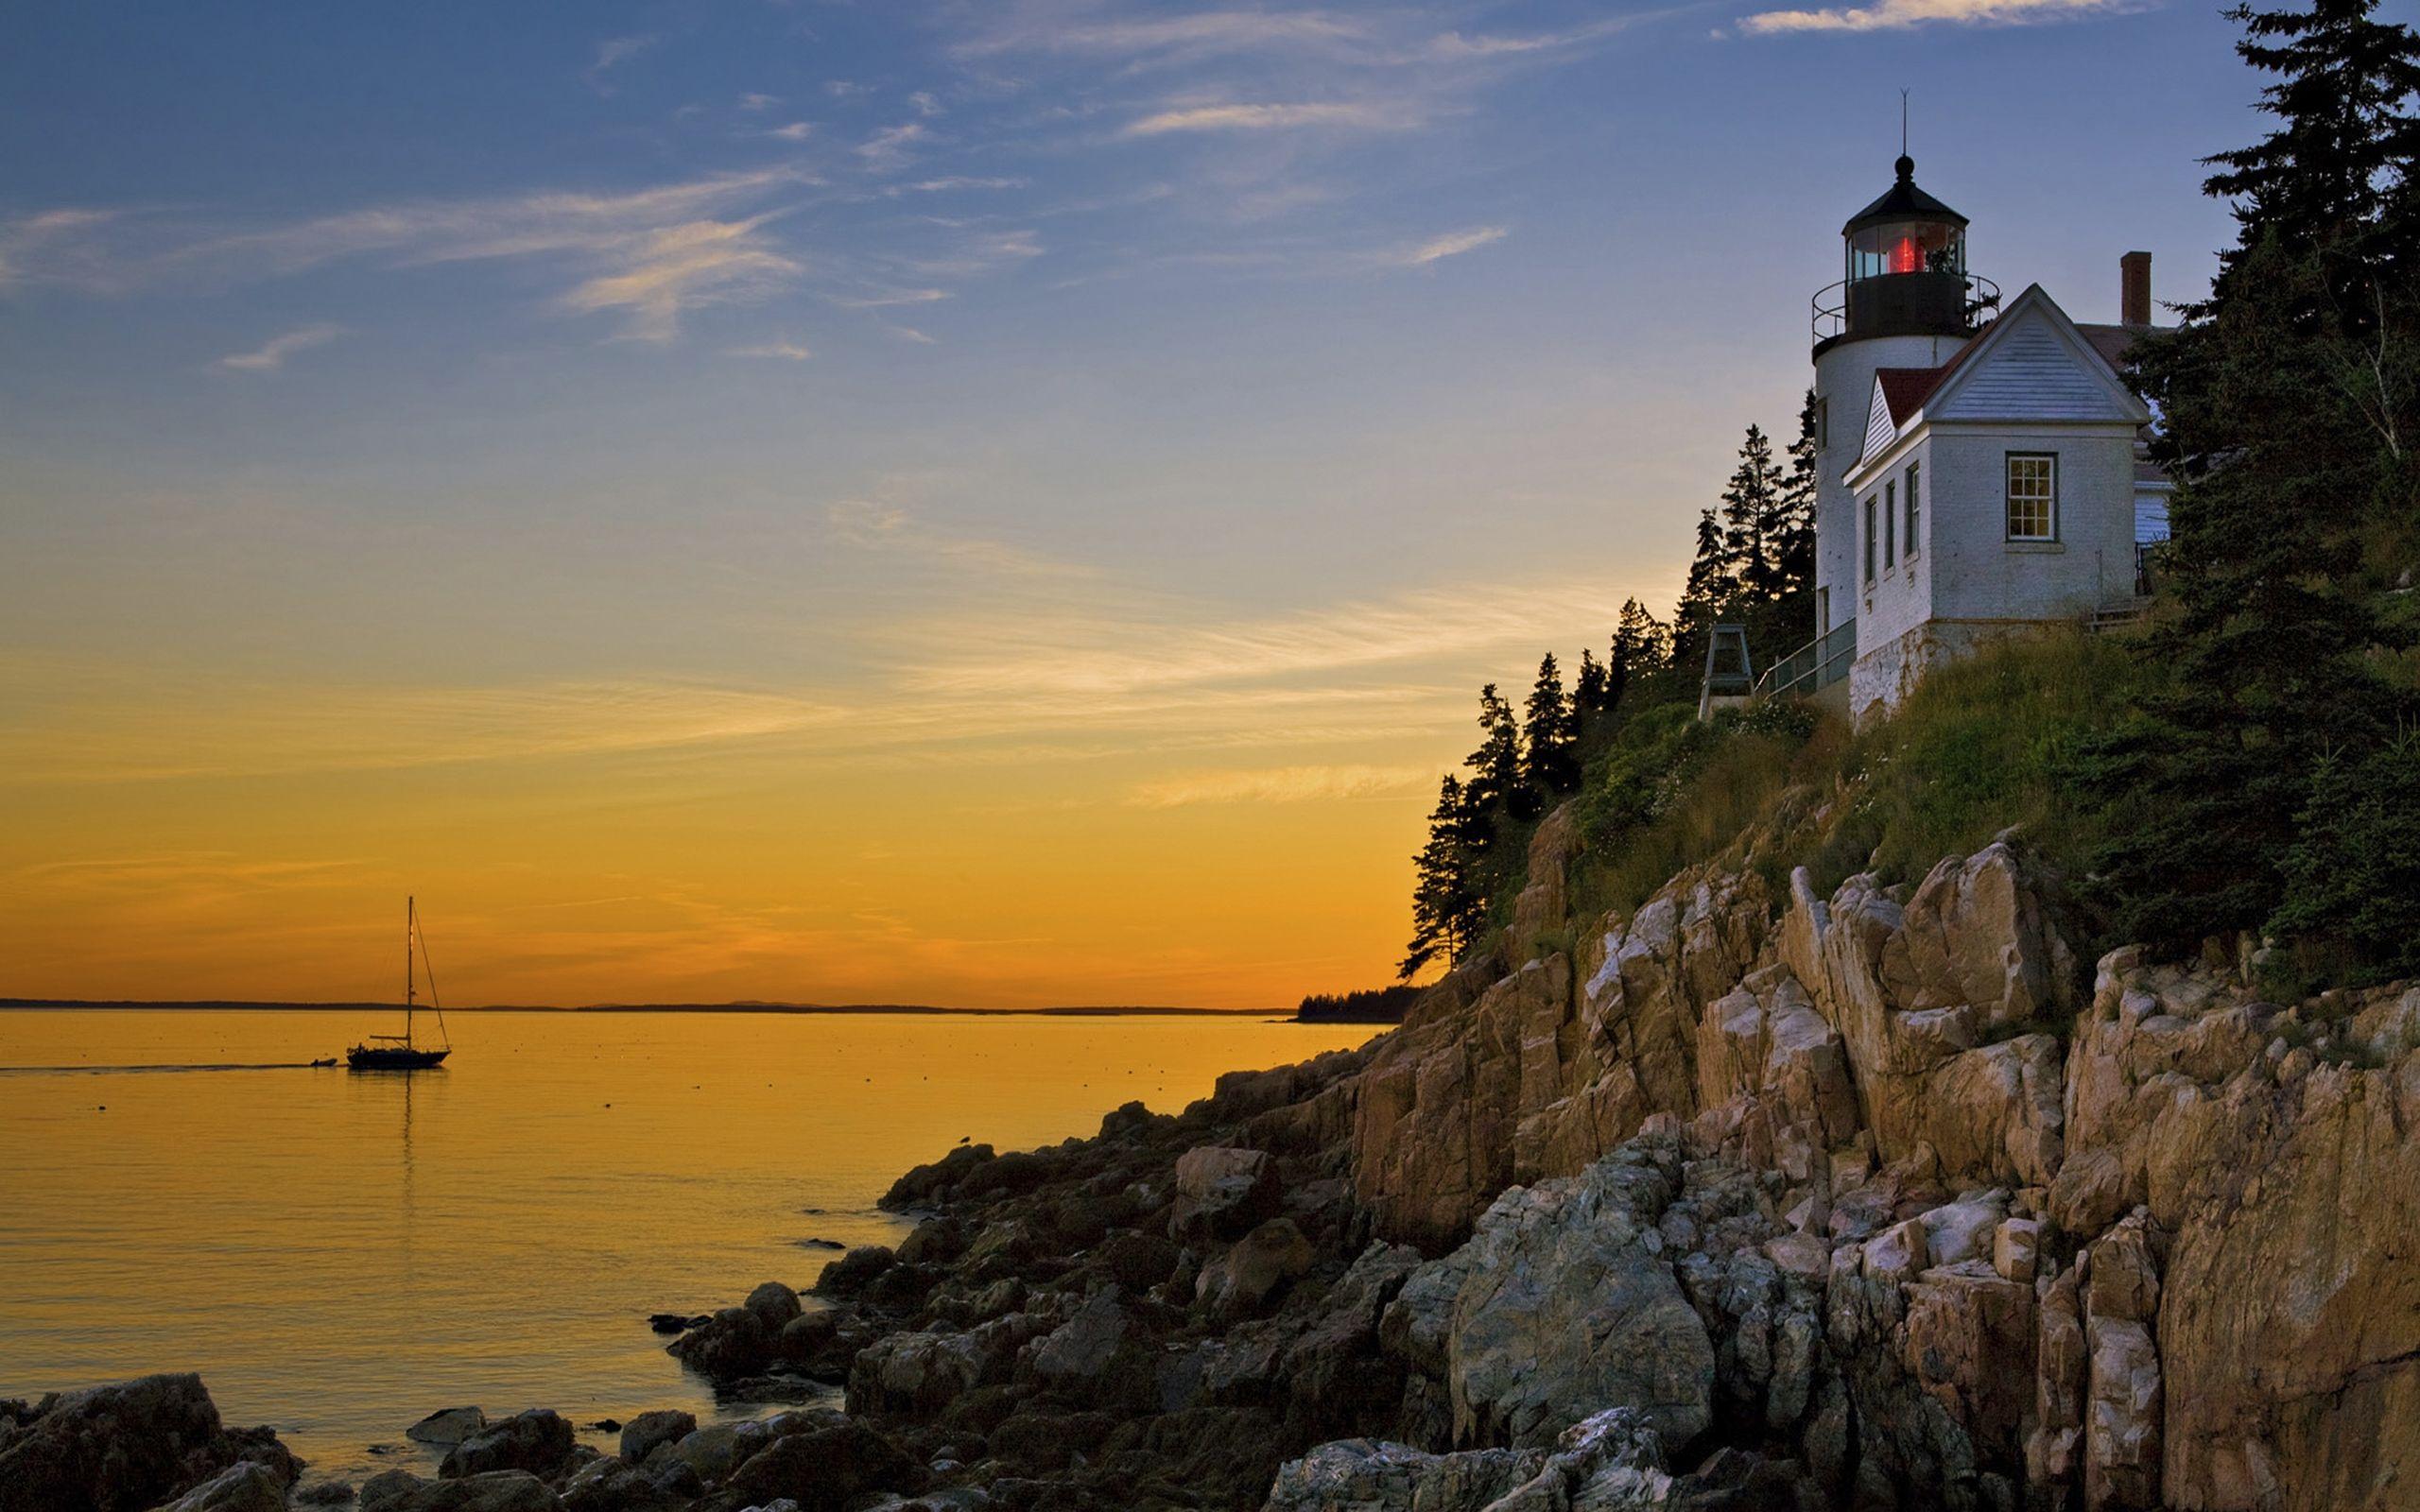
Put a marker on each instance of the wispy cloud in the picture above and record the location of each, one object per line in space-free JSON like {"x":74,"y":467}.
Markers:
{"x":271,"y":356}
{"x":1200,"y":34}
{"x":943,"y":185}
{"x":784,"y":350}
{"x":1358,"y":115}
{"x":610,"y":54}
{"x":54,"y":247}
{"x":893,"y":297}
{"x":755,"y":102}
{"x":648,"y":255}
{"x":1900,"y":15}
{"x":1437,"y":249}
{"x":925,"y":102}
{"x":795,"y":131}
{"x":681,"y":268}
{"x":888,"y":148}
{"x":1279,"y":785}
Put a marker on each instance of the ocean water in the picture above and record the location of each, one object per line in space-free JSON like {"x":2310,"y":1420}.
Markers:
{"x":341,"y":1253}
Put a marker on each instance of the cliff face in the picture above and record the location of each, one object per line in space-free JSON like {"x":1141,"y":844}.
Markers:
{"x":1879,"y":1200}
{"x":1940,"y":1252}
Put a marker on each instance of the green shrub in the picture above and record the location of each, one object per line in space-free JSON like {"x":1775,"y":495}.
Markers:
{"x":2352,"y":876}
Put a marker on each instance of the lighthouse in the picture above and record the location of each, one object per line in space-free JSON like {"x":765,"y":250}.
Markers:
{"x":1983,"y":463}
{"x":1906,"y":300}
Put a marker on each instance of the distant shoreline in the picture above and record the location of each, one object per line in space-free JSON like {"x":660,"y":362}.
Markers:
{"x":1109,"y":1011}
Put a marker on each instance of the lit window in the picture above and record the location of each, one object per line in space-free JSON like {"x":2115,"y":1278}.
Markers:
{"x":1890,"y":524}
{"x":1914,"y":509}
{"x":2033,"y":496}
{"x":1869,"y":541}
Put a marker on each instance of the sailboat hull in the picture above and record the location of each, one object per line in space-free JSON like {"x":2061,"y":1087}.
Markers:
{"x":373,"y":1057}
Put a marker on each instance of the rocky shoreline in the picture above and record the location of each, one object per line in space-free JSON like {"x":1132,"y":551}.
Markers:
{"x":1874,"y":1200}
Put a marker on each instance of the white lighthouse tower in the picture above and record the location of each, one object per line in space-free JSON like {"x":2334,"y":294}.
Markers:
{"x":1906,"y":301}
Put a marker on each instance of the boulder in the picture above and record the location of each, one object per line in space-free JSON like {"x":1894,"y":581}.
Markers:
{"x":385,"y":1487}
{"x":493,"y":1491}
{"x":537,"y":1441}
{"x":447,"y":1426}
{"x":642,"y":1433}
{"x":1355,"y":1474}
{"x":1240,"y":1283}
{"x":243,"y":1488}
{"x":733,"y":1343}
{"x":773,"y":1305}
{"x":822,"y":1469}
{"x":614,"y":1485}
{"x":1568,"y":1304}
{"x":1221,"y":1192}
{"x":1080,"y":1350}
{"x":854,"y":1271}
{"x":124,"y":1448}
{"x":1608,"y":1462}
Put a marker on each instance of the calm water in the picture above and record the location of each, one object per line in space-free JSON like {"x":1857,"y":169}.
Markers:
{"x":339,"y":1254}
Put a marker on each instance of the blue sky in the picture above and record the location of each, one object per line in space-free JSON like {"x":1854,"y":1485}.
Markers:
{"x":1140,"y":406}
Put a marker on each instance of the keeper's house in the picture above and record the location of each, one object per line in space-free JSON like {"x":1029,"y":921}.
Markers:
{"x":1982,"y":463}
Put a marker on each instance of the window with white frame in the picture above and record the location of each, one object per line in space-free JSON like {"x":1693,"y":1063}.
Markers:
{"x":2033,"y":496}
{"x":1915,"y":475}
{"x":1869,"y":541}
{"x":1890,"y":525}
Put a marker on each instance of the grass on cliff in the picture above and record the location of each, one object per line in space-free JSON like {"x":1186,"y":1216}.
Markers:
{"x":1983,"y":744}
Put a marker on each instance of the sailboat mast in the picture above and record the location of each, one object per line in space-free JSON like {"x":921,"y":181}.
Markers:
{"x":411,"y":923}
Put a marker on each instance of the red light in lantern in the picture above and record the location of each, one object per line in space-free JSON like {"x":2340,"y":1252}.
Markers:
{"x":1903,"y":255}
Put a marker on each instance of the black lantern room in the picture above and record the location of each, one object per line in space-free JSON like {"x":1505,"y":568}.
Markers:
{"x":1906,"y":270}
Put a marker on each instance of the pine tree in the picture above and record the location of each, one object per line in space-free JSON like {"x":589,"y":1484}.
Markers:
{"x":2278,"y":463}
{"x":1795,"y":549}
{"x":1549,"y":732}
{"x":1496,"y":766}
{"x":2343,"y":153}
{"x":1642,"y":646}
{"x":1712,"y":585}
{"x":1446,"y":909}
{"x":1752,"y":522}
{"x":1589,"y":703}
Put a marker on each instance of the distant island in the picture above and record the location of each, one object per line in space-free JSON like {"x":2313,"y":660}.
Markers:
{"x":1077,"y":1011}
{"x":1378,"y":1005}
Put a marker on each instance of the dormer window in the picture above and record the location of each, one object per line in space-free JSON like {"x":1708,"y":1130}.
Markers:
{"x":2033,"y":496}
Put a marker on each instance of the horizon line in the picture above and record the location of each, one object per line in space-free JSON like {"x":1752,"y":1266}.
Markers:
{"x":742,"y":1006}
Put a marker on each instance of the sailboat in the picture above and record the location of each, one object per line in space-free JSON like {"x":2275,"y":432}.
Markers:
{"x":390,"y":1052}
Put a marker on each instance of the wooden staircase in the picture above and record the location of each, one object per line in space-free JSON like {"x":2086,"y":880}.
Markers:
{"x":2122,"y":614}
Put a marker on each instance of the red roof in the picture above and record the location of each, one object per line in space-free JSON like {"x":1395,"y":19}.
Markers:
{"x":1905,"y":389}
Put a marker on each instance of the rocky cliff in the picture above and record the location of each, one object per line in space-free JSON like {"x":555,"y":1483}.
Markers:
{"x":1879,"y":1199}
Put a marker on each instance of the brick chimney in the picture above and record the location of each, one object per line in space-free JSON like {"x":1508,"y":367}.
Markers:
{"x":2134,"y":289}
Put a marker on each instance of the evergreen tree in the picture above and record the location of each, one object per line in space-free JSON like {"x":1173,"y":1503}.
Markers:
{"x":1751,"y":523}
{"x":2342,"y":154}
{"x":1711,"y":586}
{"x":1642,"y":646}
{"x":2278,"y":463}
{"x":1549,"y":734}
{"x":1589,"y":703}
{"x":1448,"y":911}
{"x":1496,"y":766}
{"x":1795,"y":548}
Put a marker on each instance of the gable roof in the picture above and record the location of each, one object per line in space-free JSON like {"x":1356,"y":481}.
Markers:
{"x":1904,"y":388}
{"x":2087,"y":359}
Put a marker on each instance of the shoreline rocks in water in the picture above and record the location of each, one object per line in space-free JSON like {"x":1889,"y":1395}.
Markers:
{"x":1737,"y":1201}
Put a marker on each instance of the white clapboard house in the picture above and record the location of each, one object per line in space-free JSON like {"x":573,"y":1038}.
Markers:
{"x":1983,"y":461}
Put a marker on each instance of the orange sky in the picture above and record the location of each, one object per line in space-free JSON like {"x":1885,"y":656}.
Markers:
{"x":1016,"y":781}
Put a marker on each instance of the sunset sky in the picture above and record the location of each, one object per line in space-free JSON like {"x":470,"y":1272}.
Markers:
{"x":989,"y":503}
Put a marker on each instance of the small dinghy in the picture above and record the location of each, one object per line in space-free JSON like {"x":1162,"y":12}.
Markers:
{"x":400,"y":1052}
